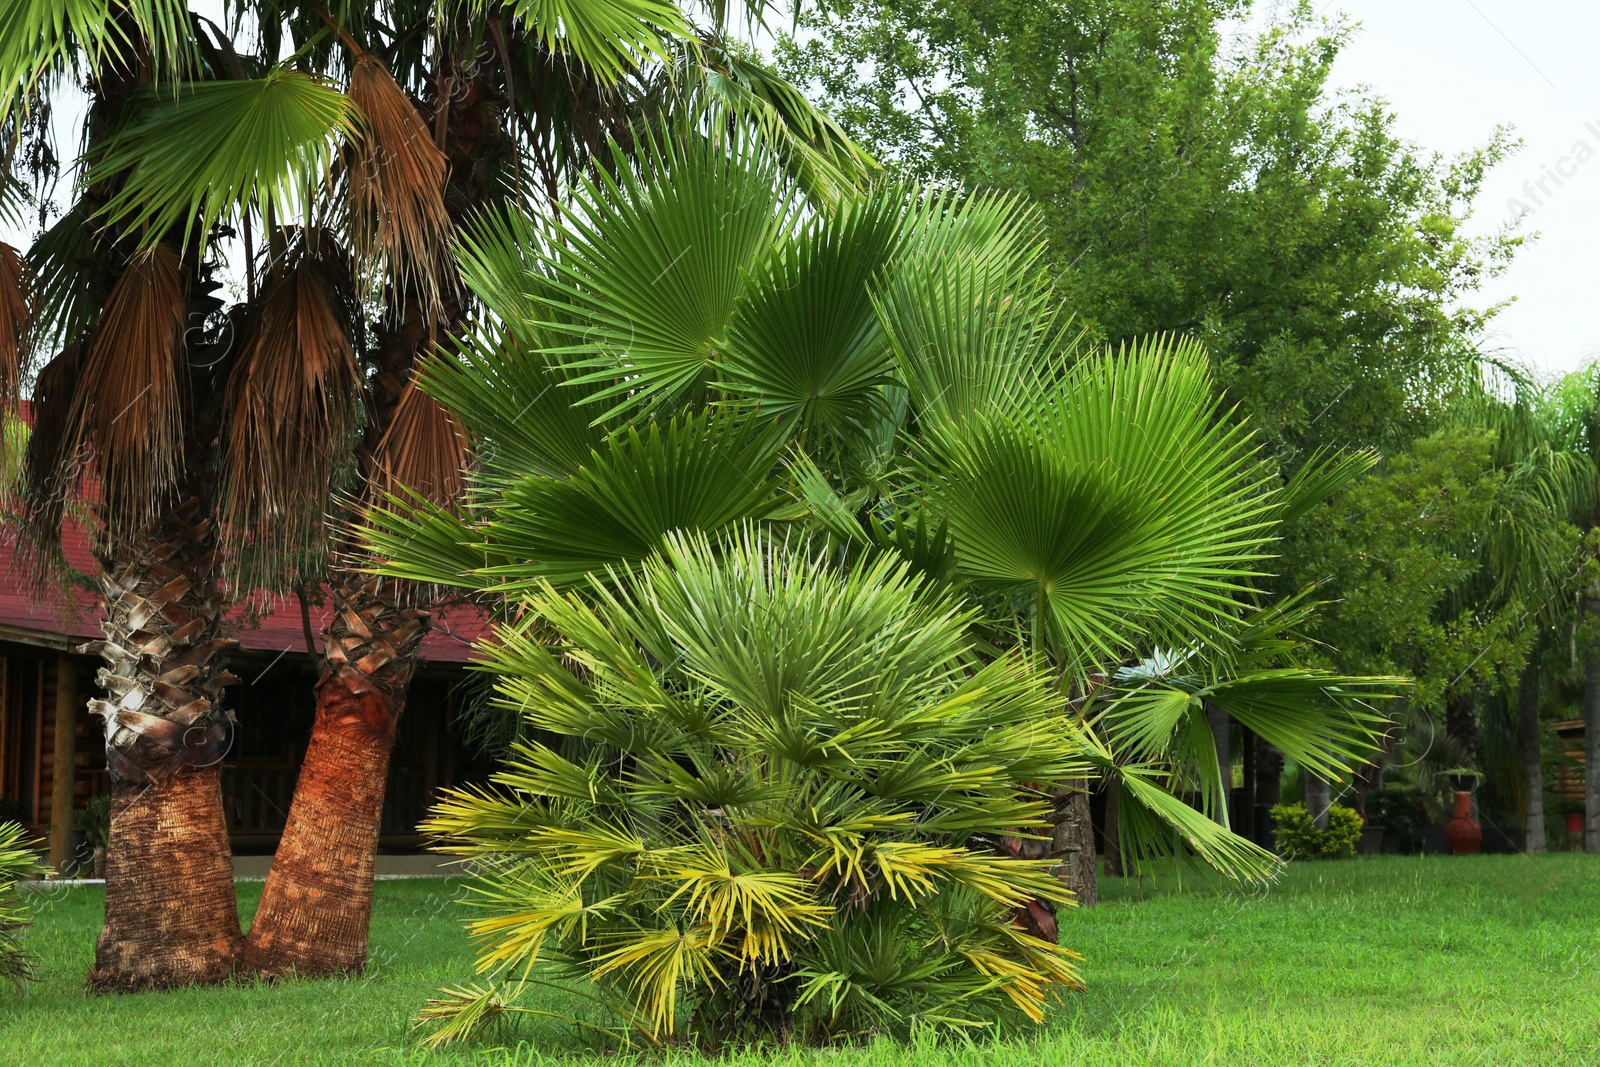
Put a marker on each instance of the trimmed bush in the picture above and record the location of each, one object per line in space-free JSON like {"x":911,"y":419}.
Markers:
{"x":1298,"y":839}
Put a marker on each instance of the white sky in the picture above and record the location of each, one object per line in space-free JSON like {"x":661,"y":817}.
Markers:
{"x":1452,"y":70}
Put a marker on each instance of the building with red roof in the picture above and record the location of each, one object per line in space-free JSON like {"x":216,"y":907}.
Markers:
{"x":44,"y":681}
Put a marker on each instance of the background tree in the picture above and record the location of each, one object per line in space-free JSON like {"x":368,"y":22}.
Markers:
{"x":1190,"y":181}
{"x":1198,"y":177}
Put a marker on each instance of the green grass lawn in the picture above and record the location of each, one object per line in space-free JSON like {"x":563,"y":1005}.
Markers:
{"x":1377,"y":961}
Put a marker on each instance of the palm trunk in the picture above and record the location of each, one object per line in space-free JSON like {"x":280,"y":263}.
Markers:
{"x":171,"y":918}
{"x":1532,"y":759}
{"x":1247,"y":777}
{"x":1461,"y":724}
{"x":1072,"y":842}
{"x":1317,"y":797}
{"x":1591,"y":743}
{"x":317,"y":905}
{"x":1269,"y":774}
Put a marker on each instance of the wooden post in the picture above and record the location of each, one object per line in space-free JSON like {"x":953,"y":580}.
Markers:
{"x":63,"y":764}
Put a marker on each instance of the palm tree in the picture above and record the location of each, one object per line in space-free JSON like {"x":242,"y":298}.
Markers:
{"x":808,"y":842}
{"x":1529,"y":554}
{"x":1571,"y":425}
{"x":214,"y":439}
{"x":691,"y":348}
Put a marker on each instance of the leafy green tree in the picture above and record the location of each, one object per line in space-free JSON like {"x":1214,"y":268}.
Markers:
{"x":214,"y":438}
{"x":1457,"y":564}
{"x":1192,"y":182}
{"x":1575,"y":419}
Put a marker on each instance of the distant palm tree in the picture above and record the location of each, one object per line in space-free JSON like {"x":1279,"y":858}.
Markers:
{"x":210,"y":441}
{"x":1527,"y":556}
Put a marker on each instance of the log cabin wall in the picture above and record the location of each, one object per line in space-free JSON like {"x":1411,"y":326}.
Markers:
{"x":274,"y":703}
{"x":29,"y":687}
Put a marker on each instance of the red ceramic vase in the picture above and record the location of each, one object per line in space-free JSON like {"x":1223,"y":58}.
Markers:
{"x":1463,"y":831}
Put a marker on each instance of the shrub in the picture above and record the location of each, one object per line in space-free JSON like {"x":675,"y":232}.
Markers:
{"x":775,"y":803}
{"x":1298,"y":839}
{"x":17,"y":861}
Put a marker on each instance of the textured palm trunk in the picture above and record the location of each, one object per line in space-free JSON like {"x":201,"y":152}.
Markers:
{"x":1113,"y":829}
{"x":1461,"y":724}
{"x":317,"y":905}
{"x":1072,"y":842}
{"x":1318,"y":798}
{"x":1532,"y":759}
{"x":171,"y":917}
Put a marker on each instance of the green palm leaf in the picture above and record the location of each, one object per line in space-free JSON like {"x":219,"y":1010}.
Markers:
{"x":1154,"y":825}
{"x":518,"y":407}
{"x":651,"y":264}
{"x":805,"y":346}
{"x":1320,"y":476}
{"x":500,"y":256}
{"x":968,"y":312}
{"x":693,"y":473}
{"x":41,"y":36}
{"x":610,"y":37}
{"x":735,"y":88}
{"x":1120,"y":507}
{"x":199,"y":152}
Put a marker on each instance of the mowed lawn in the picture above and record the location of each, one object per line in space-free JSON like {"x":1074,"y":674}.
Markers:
{"x":1377,"y":961}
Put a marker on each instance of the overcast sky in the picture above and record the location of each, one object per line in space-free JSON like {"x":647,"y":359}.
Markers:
{"x":1452,"y":70}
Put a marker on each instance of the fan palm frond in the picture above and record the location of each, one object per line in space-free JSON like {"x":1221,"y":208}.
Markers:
{"x":652,"y":263}
{"x":805,"y":346}
{"x":396,"y":177}
{"x":734,"y":89}
{"x":520,"y":408}
{"x":292,"y":407}
{"x":610,"y":37}
{"x":696,"y":472}
{"x":1118,"y":507}
{"x":38,"y":37}
{"x":196,"y":154}
{"x":968,"y":312}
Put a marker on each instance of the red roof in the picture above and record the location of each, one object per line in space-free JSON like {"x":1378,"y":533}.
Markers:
{"x":23,"y":616}
{"x":274,"y":626}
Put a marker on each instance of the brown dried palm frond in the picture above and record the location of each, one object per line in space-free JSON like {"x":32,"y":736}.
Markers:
{"x":396,"y":177}
{"x":292,"y":405}
{"x":16,"y":322}
{"x":424,"y":450}
{"x":50,"y":467}
{"x":130,"y":401}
